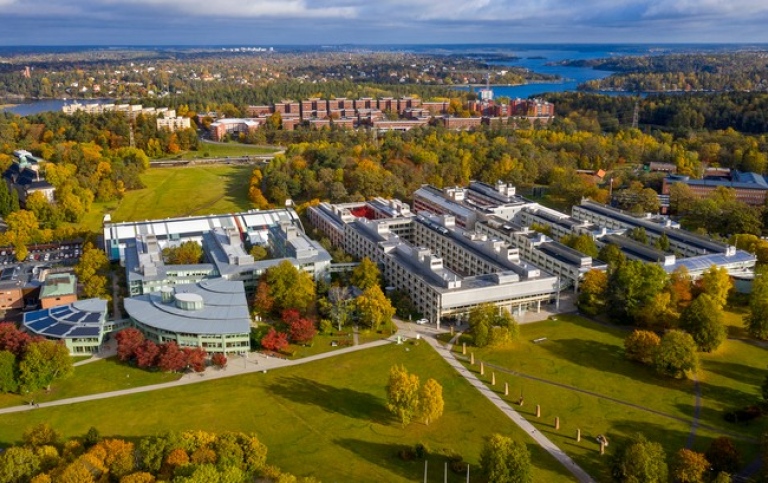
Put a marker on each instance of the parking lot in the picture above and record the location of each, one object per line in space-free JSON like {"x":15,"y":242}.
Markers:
{"x":66,"y":253}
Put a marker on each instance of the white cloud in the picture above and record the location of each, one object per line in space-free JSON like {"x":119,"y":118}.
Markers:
{"x":247,"y":8}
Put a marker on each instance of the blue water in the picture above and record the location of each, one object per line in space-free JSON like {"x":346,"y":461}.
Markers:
{"x":541,"y":61}
{"x":537,"y":58}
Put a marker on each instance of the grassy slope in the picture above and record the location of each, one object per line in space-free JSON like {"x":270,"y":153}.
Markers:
{"x":229,"y":149}
{"x":172,"y":192}
{"x":330,"y":412}
{"x":589,"y":356}
{"x":95,"y":377}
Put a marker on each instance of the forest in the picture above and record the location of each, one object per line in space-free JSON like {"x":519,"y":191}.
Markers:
{"x":720,"y":72}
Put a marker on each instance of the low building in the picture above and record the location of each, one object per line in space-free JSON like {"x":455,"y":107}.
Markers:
{"x":81,"y":325}
{"x":211,"y":314}
{"x":173,"y":123}
{"x":750,"y":188}
{"x":138,"y":246}
{"x":228,"y":126}
{"x":58,"y":289}
{"x":24,"y":177}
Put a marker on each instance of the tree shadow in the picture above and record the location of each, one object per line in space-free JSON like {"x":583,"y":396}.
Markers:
{"x":386,"y":455}
{"x":344,"y":401}
{"x":609,"y":358}
{"x":236,"y":186}
{"x":738,"y":372}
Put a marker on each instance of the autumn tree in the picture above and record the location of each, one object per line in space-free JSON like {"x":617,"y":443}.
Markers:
{"x":676,"y":354}
{"x":289,"y":287}
{"x":128,"y":341}
{"x":658,"y":313}
{"x":641,"y":346}
{"x":504,"y":460}
{"x":187,"y":253}
{"x":170,"y":357}
{"x":632,"y":285}
{"x":704,"y":320}
{"x":339,"y":298}
{"x":258,"y":252}
{"x":146,"y":354}
{"x":92,"y":270}
{"x":302,"y":330}
{"x":679,"y":288}
{"x":689,"y":467}
{"x":373,"y":308}
{"x":118,"y":456}
{"x":263,"y":302}
{"x":13,"y":340}
{"x":9,"y":378}
{"x":195,"y":358}
{"x":492,"y":325}
{"x":41,"y":435}
{"x":365,"y":275}
{"x":274,"y":340}
{"x":716,"y":283}
{"x":639,"y":460}
{"x":756,"y":321}
{"x":22,"y":229}
{"x":592,"y":292}
{"x":18,"y":464}
{"x":219,"y":360}
{"x":583,"y":243}
{"x":44,"y":361}
{"x":431,"y":401}
{"x":723,"y":455}
{"x":402,"y":394}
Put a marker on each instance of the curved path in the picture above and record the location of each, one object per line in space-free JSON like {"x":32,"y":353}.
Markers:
{"x":543,"y":441}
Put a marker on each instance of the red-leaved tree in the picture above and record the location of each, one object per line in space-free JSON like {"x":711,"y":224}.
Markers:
{"x":128,"y":341}
{"x":12,"y":339}
{"x":171,"y":358}
{"x":146,"y":354}
{"x":219,"y":360}
{"x":274,"y":340}
{"x":302,"y":330}
{"x":195,"y":358}
{"x":290,"y":315}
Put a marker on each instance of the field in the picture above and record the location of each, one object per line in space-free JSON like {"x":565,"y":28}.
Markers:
{"x":580,"y":374}
{"x":95,"y":377}
{"x":330,"y":412}
{"x":218,"y":150}
{"x":183,"y":191}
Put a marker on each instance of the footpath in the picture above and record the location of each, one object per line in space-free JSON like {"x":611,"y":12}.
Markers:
{"x":237,"y":365}
{"x":430,"y":336}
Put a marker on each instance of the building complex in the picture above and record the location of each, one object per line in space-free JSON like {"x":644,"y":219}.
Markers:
{"x":466,"y":246}
{"x":204,"y":304}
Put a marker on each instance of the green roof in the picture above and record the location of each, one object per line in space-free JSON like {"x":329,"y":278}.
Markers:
{"x":58,"y":284}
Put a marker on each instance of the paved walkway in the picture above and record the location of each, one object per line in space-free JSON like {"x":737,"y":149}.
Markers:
{"x":236,"y":366}
{"x":430,"y":334}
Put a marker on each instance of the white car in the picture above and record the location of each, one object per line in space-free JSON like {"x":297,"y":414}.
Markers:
{"x":422,"y":321}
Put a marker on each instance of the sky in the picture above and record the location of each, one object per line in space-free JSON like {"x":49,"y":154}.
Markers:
{"x":328,"y":22}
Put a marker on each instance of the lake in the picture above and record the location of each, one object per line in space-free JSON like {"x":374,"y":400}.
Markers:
{"x":537,"y":58}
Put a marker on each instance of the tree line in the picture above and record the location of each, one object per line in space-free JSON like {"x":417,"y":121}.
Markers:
{"x":178,"y":457}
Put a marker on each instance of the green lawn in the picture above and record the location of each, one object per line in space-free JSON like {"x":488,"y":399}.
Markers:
{"x":329,"y":412}
{"x":228,"y":149}
{"x":182,"y":191}
{"x":95,"y":377}
{"x":580,"y":353}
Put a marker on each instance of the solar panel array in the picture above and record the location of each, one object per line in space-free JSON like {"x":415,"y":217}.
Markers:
{"x":63,"y":322}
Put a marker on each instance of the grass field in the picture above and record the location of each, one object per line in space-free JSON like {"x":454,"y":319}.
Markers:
{"x":215,"y":150}
{"x":95,"y":377}
{"x":331,"y":413}
{"x":183,"y":191}
{"x":579,"y":353}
